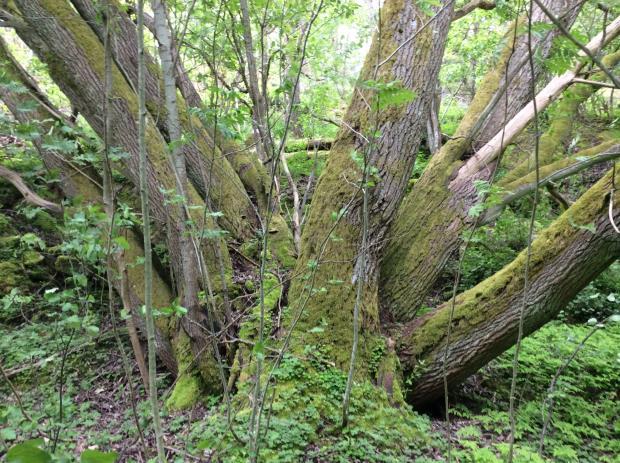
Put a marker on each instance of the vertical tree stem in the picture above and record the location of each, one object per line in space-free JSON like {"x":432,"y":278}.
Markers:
{"x":148,"y":257}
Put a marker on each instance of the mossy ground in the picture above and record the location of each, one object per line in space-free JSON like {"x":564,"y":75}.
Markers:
{"x":305,"y":421}
{"x":304,"y":416}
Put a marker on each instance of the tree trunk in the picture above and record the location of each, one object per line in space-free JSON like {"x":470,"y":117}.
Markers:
{"x":428,"y":227}
{"x":74,"y":56}
{"x":565,"y":258}
{"x":82,"y":182}
{"x":330,"y":243}
{"x":231,"y":176}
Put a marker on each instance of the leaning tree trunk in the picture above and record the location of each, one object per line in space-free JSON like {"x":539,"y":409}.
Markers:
{"x":220,"y":170}
{"x":565,"y":258}
{"x":74,"y":55}
{"x":427,"y":230}
{"x":209,"y":171}
{"x":83,"y":182}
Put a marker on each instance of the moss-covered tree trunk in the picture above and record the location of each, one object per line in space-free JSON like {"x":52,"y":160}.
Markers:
{"x":81,"y":182}
{"x":209,"y":171}
{"x":427,"y":230}
{"x":74,"y":55}
{"x":386,"y":132}
{"x":565,"y":258}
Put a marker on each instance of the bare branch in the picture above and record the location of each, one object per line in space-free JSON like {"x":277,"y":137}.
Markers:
{"x":29,"y":195}
{"x":593,"y":82}
{"x":471,"y":6}
{"x":553,"y":172}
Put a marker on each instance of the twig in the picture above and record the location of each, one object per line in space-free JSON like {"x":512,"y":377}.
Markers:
{"x":580,"y":45}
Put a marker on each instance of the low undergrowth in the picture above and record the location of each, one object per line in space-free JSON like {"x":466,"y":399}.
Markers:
{"x":583,"y":405}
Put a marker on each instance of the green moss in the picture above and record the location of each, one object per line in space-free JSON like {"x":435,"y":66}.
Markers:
{"x":280,"y":243}
{"x":45,"y":221}
{"x":188,"y":387}
{"x":6,"y":226}
{"x":305,"y":419}
{"x":185,"y":394}
{"x":273,"y":291}
{"x":490,"y":297}
{"x":11,"y":276}
{"x":31,"y":258}
{"x":9,"y":247}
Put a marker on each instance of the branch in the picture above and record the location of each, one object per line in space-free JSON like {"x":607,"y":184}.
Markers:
{"x":308,"y":145}
{"x":545,"y":97}
{"x":554,"y":172}
{"x":581,"y":46}
{"x":557,"y":197}
{"x":29,"y":195}
{"x":471,"y":6}
{"x":594,"y":83}
{"x":565,"y":257}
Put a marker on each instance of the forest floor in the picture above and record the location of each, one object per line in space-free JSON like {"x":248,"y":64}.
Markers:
{"x":97,"y":406}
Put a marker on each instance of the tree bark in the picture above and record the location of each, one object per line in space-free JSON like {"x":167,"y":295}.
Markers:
{"x":427,"y":230}
{"x":81,"y":182}
{"x":74,"y":56}
{"x":330,"y":242}
{"x":224,"y":173}
{"x":565,"y":258}
{"x":209,"y":171}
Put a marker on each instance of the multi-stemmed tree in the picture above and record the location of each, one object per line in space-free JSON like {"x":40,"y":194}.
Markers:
{"x":373,"y":247}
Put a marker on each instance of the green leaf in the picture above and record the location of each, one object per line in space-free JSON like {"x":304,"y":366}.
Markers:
{"x":121,"y":242}
{"x":74,"y":321}
{"x":27,"y":453}
{"x":95,"y":456}
{"x":8,"y":434}
{"x":92,"y":330}
{"x":611,"y":297}
{"x":259,"y":349}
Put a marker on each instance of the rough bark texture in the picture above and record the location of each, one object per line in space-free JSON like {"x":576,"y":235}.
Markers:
{"x":209,"y":171}
{"x":233,"y":178}
{"x":427,"y":230}
{"x":74,"y":56}
{"x":391,"y":155}
{"x":80,"y":182}
{"x":556,"y":171}
{"x":565,"y":258}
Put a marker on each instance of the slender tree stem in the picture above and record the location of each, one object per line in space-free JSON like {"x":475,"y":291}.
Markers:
{"x":530,"y":238}
{"x":148,"y":256}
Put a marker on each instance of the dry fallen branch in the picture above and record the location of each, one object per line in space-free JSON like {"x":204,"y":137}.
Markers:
{"x":29,"y":195}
